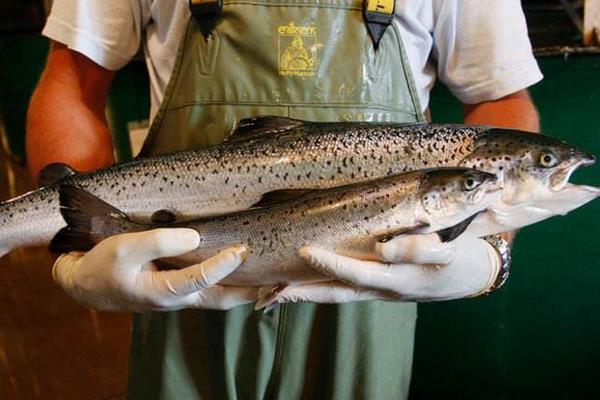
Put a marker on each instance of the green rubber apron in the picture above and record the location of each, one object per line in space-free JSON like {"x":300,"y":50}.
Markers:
{"x":303,"y":59}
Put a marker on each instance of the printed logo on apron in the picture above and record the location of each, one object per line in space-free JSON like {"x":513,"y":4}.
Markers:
{"x":297,"y":50}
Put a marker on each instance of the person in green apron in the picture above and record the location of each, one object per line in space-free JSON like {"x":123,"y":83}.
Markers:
{"x":314,"y":60}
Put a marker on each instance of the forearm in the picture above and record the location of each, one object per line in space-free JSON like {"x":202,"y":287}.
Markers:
{"x":66,"y":120}
{"x":513,"y":111}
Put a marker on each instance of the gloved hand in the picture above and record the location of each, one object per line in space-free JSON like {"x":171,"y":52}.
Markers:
{"x":418,"y":268}
{"x":118,"y":275}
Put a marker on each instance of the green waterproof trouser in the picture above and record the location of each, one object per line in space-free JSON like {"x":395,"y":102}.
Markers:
{"x":303,"y":59}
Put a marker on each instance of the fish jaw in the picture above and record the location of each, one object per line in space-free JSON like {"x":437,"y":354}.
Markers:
{"x":501,"y":217}
{"x":560,"y":178}
{"x":488,"y":195}
{"x":569,"y":198}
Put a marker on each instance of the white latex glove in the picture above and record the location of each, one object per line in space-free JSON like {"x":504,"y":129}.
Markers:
{"x":420,"y":268}
{"x":118,"y":275}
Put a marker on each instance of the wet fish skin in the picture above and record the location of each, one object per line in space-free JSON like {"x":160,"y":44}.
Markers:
{"x":237,"y":174}
{"x":349,"y":220}
{"x":234,"y":175}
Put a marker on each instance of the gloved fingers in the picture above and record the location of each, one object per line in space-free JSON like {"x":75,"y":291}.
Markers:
{"x":65,"y":267}
{"x":217,"y":297}
{"x":139,"y":248}
{"x":321,"y":292}
{"x":416,"y":249}
{"x":207,"y":273}
{"x":369,"y":274}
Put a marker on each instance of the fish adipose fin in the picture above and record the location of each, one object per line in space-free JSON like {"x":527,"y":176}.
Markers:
{"x":54,"y":173}
{"x":449,"y":234}
{"x":252,"y":128}
{"x":87,"y":218}
{"x":278,"y":196}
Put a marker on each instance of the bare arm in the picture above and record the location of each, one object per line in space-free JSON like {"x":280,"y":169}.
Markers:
{"x":513,"y":111}
{"x":66,"y":118}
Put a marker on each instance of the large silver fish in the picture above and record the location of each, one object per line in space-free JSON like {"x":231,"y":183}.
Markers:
{"x":349,"y":220}
{"x":271,"y":153}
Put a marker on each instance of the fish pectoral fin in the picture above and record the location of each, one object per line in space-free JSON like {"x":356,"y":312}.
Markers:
{"x":54,"y":173}
{"x":414,"y":230}
{"x":163,"y":217}
{"x":252,"y":128}
{"x":278,"y":196}
{"x":451,"y":233}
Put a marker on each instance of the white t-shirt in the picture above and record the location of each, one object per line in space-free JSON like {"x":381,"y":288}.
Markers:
{"x":479,"y":48}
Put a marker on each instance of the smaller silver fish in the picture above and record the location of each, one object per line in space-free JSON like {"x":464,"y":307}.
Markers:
{"x":349,"y":220}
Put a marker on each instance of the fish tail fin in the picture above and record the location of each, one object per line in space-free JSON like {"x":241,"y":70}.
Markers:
{"x":89,"y":220}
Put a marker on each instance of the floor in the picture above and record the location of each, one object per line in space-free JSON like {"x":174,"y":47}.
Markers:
{"x":50,"y":348}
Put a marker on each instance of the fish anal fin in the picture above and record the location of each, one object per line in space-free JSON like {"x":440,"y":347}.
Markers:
{"x":278,"y":196}
{"x":251,"y":128}
{"x":54,"y":173}
{"x":451,"y":233}
{"x":163,"y":217}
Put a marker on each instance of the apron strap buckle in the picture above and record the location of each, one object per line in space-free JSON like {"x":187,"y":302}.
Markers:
{"x":378,"y":15}
{"x":206,"y":13}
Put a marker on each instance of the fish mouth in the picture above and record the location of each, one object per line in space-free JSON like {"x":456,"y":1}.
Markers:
{"x":560,"y":178}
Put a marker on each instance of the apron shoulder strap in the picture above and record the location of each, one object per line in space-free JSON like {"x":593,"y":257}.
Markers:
{"x":206,"y":13}
{"x":378,"y":15}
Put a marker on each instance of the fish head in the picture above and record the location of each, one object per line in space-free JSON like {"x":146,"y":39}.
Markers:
{"x":451,"y":195}
{"x":534,"y":170}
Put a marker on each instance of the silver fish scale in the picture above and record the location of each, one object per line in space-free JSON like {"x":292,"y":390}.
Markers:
{"x":348,"y":221}
{"x":234,"y":175}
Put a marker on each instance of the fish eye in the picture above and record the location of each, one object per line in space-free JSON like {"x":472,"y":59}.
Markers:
{"x":470,"y":183}
{"x":548,"y":160}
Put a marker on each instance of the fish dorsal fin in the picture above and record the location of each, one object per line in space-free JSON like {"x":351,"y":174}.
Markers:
{"x":277,"y":196}
{"x":451,"y":233}
{"x":54,"y":173}
{"x":163,"y":217}
{"x":252,"y":128}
